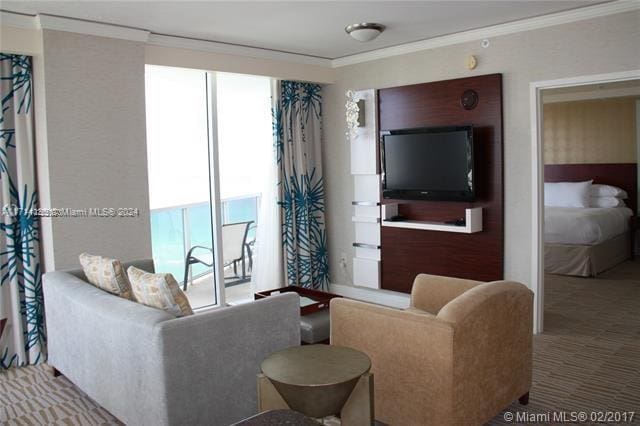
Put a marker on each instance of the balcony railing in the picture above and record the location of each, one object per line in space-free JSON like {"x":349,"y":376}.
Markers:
{"x":175,"y":229}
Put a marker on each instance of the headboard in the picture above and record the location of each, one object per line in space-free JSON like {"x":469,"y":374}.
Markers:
{"x":622,"y":175}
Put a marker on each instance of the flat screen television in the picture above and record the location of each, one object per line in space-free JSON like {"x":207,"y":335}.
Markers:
{"x":428,"y":164}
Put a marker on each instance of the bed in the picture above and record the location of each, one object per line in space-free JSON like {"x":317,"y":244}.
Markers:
{"x":587,"y":241}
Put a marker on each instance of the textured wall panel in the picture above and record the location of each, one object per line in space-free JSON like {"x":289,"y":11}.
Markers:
{"x":96,"y":144}
{"x":587,"y":132}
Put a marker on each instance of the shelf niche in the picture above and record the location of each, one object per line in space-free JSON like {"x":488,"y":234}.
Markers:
{"x":473,"y":221}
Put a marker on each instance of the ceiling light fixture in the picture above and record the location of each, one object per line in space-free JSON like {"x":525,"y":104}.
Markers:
{"x":364,"y":31}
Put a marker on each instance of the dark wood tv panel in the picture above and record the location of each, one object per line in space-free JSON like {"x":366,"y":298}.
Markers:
{"x":408,"y":252}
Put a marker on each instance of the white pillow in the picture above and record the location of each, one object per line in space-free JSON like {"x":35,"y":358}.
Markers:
{"x":598,"y":190}
{"x":606,"y":202}
{"x":567,"y":194}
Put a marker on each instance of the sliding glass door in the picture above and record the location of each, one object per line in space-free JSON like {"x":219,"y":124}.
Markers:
{"x":245,"y":153}
{"x":180,"y":186}
{"x":211,"y":162}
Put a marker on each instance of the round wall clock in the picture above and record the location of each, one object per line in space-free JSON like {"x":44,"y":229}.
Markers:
{"x":469,"y":99}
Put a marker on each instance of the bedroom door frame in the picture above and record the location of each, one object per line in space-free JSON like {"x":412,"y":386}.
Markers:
{"x":537,"y":176}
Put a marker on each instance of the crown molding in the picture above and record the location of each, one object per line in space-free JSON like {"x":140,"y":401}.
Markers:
{"x":49,"y":22}
{"x":558,"y":18}
{"x":43,"y":21}
{"x":551,"y":98}
{"x":234,"y":49}
{"x":18,"y":20}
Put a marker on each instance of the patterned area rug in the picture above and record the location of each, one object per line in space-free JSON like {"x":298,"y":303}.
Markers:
{"x":32,"y":396}
{"x":588,"y":359}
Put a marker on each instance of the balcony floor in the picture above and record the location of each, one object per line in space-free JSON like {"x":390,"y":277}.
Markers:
{"x":201,"y":293}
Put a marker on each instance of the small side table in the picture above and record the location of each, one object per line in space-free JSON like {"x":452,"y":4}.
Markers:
{"x":319,"y":381}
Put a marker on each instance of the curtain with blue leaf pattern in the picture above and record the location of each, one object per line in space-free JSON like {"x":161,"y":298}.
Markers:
{"x":297,"y":121}
{"x":22,"y":334}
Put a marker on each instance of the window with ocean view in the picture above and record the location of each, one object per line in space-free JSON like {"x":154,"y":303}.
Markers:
{"x":170,"y":229}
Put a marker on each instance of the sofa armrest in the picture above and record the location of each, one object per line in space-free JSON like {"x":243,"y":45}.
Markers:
{"x":431,"y":292}
{"x":104,"y":344}
{"x":492,"y":348}
{"x":410,"y":354}
{"x":211,"y":359}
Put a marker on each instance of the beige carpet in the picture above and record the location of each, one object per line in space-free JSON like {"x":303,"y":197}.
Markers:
{"x":588,"y":359}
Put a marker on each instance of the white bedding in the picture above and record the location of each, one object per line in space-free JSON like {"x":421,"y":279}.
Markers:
{"x":586,"y":226}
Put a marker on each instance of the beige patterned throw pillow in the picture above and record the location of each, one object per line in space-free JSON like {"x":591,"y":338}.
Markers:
{"x":160,"y":291}
{"x":107,"y":274}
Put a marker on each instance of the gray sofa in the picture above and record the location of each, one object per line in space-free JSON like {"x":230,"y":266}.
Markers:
{"x":148,"y":368}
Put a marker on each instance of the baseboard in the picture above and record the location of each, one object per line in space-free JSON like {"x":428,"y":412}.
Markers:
{"x":381,"y":297}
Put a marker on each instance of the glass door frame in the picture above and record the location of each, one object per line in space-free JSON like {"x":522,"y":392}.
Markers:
{"x":214,"y":187}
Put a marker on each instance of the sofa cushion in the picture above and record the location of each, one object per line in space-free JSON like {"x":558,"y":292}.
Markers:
{"x":106,"y":274}
{"x":158,"y":291}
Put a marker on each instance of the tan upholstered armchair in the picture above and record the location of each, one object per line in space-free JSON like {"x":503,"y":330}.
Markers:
{"x":458,"y":355}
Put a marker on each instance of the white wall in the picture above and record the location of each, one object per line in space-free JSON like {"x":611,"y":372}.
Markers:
{"x":95,"y":145}
{"x":602,"y":45}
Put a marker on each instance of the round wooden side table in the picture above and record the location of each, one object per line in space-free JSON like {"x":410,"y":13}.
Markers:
{"x":317,"y":380}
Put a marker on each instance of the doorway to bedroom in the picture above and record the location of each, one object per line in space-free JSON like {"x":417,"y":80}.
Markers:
{"x":586,"y":140}
{"x":590,"y":138}
{"x":567,"y":158}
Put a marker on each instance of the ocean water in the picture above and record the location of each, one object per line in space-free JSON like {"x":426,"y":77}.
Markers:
{"x":168,"y":232}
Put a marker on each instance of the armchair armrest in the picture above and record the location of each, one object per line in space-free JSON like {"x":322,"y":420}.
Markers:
{"x":492,"y":343}
{"x":431,"y":292}
{"x":411,"y":358}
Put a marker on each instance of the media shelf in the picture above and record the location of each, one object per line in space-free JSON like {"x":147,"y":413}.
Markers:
{"x":473,"y":221}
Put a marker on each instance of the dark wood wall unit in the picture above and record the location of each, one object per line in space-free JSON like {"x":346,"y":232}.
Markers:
{"x":408,"y":252}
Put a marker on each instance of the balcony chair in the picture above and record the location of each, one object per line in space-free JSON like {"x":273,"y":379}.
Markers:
{"x":234,"y":250}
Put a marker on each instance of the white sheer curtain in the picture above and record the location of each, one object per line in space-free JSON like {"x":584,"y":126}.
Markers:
{"x":267,"y":262}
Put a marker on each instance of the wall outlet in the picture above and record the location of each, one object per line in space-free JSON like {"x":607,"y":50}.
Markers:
{"x":343,"y":260}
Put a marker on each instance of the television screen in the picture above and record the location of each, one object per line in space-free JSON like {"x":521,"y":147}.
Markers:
{"x":428,"y":164}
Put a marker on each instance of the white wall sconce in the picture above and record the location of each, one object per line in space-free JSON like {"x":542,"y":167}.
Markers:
{"x":354,"y":114}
